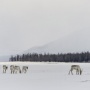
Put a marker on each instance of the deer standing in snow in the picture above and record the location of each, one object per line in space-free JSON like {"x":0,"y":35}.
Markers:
{"x":5,"y":68}
{"x":77,"y":68}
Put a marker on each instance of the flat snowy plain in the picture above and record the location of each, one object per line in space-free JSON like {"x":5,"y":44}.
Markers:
{"x":45,"y":76}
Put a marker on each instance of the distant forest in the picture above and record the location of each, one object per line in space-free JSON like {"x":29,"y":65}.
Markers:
{"x":68,"y":57}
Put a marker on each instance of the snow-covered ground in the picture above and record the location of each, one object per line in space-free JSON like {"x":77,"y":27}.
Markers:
{"x":45,"y":76}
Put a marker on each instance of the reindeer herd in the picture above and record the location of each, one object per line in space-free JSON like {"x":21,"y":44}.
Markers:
{"x":15,"y":69}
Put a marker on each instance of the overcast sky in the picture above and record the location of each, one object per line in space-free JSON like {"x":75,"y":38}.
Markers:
{"x":28,"y":23}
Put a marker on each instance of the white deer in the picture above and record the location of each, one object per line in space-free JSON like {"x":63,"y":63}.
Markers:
{"x":24,"y":69}
{"x":15,"y":69}
{"x":5,"y":68}
{"x":77,"y":68}
{"x":12,"y":69}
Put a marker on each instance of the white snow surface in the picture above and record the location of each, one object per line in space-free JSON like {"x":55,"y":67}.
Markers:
{"x":45,"y":76}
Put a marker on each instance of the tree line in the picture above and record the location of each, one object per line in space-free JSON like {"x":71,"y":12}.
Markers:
{"x":68,"y":57}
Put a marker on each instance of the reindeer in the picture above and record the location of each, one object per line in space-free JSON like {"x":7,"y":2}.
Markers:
{"x":5,"y":68}
{"x":77,"y":68}
{"x":12,"y":69}
{"x":17,"y":69}
{"x":24,"y":69}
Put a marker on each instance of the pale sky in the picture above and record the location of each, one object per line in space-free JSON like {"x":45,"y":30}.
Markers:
{"x":28,"y":23}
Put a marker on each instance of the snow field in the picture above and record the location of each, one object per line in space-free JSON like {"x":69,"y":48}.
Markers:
{"x":45,"y":76}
